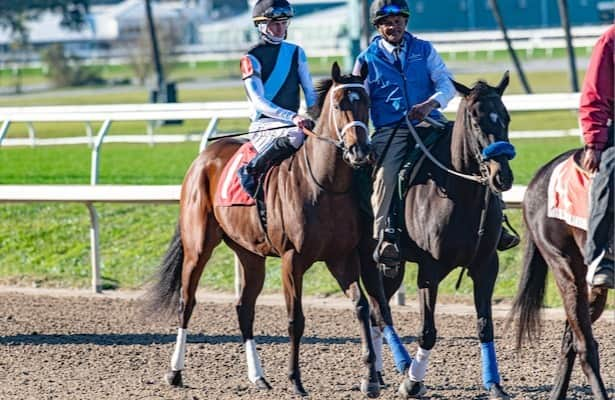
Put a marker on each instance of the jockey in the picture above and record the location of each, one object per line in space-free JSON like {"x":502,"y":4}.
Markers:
{"x":406,"y":77}
{"x":596,"y":115}
{"x":272,"y":72}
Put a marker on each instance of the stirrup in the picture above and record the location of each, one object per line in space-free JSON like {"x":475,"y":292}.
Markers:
{"x":387,"y":251}
{"x":508,"y":240}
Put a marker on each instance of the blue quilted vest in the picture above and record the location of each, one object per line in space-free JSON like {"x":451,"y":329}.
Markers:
{"x":391,"y":94}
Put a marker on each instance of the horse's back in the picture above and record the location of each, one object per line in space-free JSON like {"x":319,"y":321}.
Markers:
{"x":536,"y":194}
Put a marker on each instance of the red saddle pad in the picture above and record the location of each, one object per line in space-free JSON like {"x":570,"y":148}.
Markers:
{"x":568,"y":196}
{"x":229,"y":191}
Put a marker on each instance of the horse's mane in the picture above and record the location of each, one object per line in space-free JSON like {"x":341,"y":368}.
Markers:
{"x":322,"y":88}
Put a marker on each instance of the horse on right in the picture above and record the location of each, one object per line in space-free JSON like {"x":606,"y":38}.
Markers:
{"x":554,"y":244}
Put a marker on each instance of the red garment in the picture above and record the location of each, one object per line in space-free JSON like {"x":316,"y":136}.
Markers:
{"x":596,"y":107}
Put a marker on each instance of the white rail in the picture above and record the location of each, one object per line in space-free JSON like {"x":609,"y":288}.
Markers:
{"x":213,"y":112}
{"x":154,"y":194}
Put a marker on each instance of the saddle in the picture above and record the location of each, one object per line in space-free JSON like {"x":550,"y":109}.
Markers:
{"x":230,"y":192}
{"x":568,"y":192}
{"x":407,"y":173}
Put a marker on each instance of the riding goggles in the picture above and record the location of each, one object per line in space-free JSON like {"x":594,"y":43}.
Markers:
{"x":276,"y":13}
{"x":392,"y":9}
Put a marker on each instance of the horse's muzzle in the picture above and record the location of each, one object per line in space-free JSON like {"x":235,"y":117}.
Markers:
{"x":357,"y":155}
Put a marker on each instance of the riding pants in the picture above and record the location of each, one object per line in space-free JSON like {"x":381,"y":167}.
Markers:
{"x":600,"y":224}
{"x":390,"y":159}
{"x":264,"y":135}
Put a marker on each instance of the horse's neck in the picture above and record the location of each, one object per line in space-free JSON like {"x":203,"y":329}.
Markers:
{"x":325,"y":162}
{"x":463,"y":158}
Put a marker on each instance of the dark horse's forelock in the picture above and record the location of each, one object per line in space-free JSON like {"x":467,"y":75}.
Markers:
{"x":322,"y":88}
{"x":480,"y":89}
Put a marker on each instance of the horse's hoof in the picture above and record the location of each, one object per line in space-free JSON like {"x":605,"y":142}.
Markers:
{"x":412,"y":389}
{"x":299,"y":390}
{"x":370,"y":389}
{"x":262,"y":384}
{"x":174,"y":378}
{"x":381,"y":382}
{"x":497,"y":393}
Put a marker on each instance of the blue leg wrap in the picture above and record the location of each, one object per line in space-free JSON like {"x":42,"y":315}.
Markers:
{"x":400,"y":355}
{"x":490,"y":365}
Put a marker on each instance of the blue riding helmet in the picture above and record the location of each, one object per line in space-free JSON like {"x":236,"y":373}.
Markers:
{"x":384,"y":8}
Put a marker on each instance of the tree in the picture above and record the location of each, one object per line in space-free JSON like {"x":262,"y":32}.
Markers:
{"x":15,"y":14}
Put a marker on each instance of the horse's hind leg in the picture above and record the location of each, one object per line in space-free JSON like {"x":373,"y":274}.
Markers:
{"x":199,"y":241}
{"x":346,"y":272}
{"x":571,"y":284}
{"x":568,"y":353}
{"x":253,"y":278}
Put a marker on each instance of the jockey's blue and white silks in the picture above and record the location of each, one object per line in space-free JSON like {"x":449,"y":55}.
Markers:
{"x":500,"y":148}
{"x":280,"y":70}
{"x":392,"y":94}
{"x":490,"y":365}
{"x":400,"y":356}
{"x":261,"y":95}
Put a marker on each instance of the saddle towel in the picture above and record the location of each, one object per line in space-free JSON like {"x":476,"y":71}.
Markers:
{"x":229,"y":191}
{"x":568,"y":195}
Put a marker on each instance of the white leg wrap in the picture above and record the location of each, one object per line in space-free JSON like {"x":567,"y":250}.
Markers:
{"x":418,"y":369}
{"x":377,"y":342}
{"x":255,"y":370}
{"x":179,"y":355}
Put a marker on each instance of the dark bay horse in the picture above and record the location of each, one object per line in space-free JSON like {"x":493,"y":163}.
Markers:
{"x":312,"y":216}
{"x":452,"y":219}
{"x":553,"y":244}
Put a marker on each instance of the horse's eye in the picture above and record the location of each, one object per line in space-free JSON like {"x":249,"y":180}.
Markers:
{"x":337,"y":107}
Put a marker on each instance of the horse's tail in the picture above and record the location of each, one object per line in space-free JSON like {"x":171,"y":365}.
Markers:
{"x":163,"y":294}
{"x":530,"y":294}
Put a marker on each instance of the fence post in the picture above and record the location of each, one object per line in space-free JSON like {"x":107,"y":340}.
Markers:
{"x":95,"y":249}
{"x":96,"y":150}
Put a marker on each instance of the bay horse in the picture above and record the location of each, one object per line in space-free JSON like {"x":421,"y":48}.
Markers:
{"x":555,"y":245}
{"x":312,"y":216}
{"x":451,"y":218}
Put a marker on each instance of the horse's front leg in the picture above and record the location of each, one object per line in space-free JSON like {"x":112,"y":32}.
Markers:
{"x":346,"y":272}
{"x":413,"y":386}
{"x":292,"y":280}
{"x":484,"y":282}
{"x":380,"y":290}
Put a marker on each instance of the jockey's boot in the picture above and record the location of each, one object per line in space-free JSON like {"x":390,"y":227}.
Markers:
{"x":507,"y":240}
{"x":251,"y":173}
{"x":605,"y":271}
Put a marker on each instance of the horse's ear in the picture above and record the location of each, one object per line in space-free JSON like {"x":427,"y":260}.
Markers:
{"x":336,"y":74}
{"x":364,"y":71}
{"x":461,"y":88}
{"x":503,"y":83}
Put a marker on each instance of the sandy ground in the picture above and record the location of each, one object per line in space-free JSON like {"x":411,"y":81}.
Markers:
{"x":67,"y":344}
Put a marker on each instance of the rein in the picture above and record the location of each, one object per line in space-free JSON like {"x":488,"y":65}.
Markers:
{"x":480,"y":179}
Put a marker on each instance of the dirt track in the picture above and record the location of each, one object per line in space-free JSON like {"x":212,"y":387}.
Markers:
{"x":95,"y":347}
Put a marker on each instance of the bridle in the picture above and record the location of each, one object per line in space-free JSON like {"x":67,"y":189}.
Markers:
{"x":339,"y":132}
{"x":339,"y":144}
{"x":482,"y":156}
